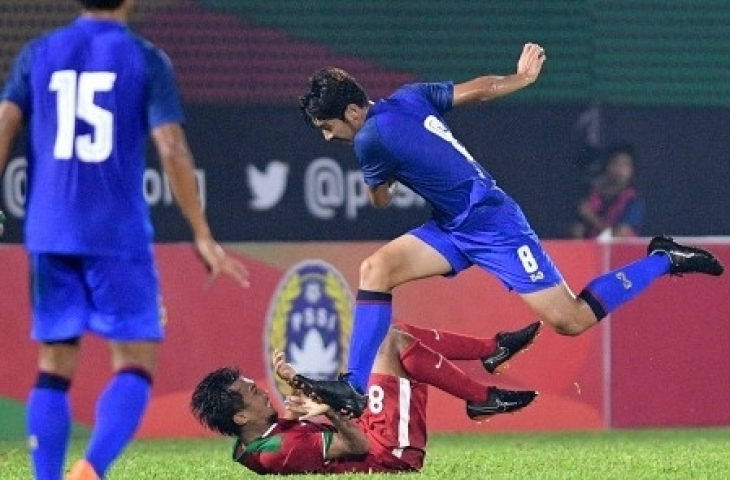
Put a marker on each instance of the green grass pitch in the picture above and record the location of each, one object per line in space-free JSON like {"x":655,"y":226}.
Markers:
{"x":621,"y":455}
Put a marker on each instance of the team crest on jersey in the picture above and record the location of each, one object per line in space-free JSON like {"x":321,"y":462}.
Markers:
{"x":310,"y":320}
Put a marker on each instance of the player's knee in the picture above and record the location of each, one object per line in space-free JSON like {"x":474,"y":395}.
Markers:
{"x":374,"y":274}
{"x":59,"y":358}
{"x":567,"y":326}
{"x":400,"y":336}
{"x":136,"y":355}
{"x":402,"y":328}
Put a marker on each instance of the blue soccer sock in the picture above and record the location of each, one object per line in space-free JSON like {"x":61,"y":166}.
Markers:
{"x":373,"y":311}
{"x":606,"y":293}
{"x":119,"y":411}
{"x":49,"y":425}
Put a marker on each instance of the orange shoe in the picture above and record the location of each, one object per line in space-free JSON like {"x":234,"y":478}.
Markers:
{"x":82,"y":470}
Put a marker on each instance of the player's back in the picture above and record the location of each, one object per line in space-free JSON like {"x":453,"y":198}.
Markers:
{"x":88,"y":86}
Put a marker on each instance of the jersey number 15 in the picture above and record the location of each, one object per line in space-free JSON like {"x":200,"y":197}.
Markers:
{"x":75,"y":100}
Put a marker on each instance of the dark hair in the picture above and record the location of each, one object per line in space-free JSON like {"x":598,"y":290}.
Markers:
{"x":101,"y":4}
{"x":618,"y":149}
{"x":331,"y":90}
{"x":214,"y":404}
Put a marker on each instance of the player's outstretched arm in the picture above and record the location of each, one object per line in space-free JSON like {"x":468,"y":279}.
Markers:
{"x":489,"y":87}
{"x":178,"y":163}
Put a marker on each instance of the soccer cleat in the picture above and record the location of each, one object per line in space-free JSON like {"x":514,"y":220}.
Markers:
{"x":499,"y":401}
{"x":82,"y":470}
{"x":510,"y":344}
{"x":685,"y":259}
{"x":338,"y":394}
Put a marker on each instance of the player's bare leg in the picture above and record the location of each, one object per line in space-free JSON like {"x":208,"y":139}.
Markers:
{"x":571,"y":314}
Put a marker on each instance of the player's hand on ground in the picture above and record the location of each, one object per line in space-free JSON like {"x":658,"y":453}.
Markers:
{"x":283,"y":369}
{"x":306,"y":408}
{"x":218,"y":262}
{"x":531,"y":60}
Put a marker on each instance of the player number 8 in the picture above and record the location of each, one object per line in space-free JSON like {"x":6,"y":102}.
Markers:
{"x":376,"y":397}
{"x":527,"y":258}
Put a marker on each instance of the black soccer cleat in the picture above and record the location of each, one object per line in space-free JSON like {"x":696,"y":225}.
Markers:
{"x":338,"y":394}
{"x":499,"y":401}
{"x":510,"y":344}
{"x":685,"y":259}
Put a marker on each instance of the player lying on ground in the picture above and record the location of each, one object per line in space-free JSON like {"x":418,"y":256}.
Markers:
{"x":391,"y":435}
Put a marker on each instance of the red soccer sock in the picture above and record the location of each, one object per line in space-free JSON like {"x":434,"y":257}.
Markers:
{"x":453,"y":346}
{"x":423,"y":364}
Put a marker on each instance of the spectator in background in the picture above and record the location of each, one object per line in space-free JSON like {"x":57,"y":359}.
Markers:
{"x":91,"y":93}
{"x":612,"y":206}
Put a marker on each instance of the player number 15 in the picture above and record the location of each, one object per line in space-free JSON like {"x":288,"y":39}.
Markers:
{"x":75,"y":100}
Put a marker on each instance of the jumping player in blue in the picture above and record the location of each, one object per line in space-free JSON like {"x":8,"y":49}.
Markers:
{"x":91,"y":92}
{"x":404,"y":139}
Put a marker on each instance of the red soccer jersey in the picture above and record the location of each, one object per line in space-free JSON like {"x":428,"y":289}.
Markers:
{"x":394,"y":422}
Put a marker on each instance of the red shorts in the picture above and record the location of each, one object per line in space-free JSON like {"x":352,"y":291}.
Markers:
{"x":395,"y":424}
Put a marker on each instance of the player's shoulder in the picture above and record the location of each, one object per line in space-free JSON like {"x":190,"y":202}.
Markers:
{"x":422,"y":97}
{"x":43,"y":39}
{"x":423,"y":89}
{"x":152,"y":51}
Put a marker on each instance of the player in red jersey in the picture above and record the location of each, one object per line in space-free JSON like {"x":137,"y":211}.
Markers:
{"x":391,"y":435}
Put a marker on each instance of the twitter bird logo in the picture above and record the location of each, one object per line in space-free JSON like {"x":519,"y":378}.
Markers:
{"x":267,"y":186}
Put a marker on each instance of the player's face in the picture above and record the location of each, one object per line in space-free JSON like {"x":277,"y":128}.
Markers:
{"x":256,"y":400}
{"x":336,"y":129}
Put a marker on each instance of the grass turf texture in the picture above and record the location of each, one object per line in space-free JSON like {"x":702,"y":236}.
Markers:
{"x":641,"y":454}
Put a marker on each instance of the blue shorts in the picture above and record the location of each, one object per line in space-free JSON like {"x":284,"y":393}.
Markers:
{"x":118,"y":299}
{"x":499,"y":239}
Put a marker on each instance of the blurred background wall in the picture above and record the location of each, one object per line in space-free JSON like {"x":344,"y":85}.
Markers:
{"x":654,"y":74}
{"x":661,"y":361}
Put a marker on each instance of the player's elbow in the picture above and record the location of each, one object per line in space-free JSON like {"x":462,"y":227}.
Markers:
{"x":348,"y":444}
{"x":380,"y":202}
{"x":380,"y":197}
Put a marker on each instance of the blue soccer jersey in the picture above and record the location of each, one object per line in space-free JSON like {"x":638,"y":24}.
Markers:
{"x":405,"y":138}
{"x":474,"y":222}
{"x":99,"y":89}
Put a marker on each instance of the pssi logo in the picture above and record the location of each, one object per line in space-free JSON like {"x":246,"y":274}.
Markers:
{"x":310,"y":320}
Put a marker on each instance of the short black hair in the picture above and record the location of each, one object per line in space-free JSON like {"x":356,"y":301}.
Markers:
{"x":101,"y":4}
{"x":330,"y":91}
{"x":614,"y":150}
{"x":214,"y":404}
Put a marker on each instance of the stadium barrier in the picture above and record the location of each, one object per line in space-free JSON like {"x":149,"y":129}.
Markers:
{"x":662,"y":360}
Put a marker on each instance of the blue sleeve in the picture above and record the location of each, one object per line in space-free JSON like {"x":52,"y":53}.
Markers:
{"x":18,"y":89}
{"x":163,"y":99}
{"x":375,"y":162}
{"x":633,"y":215}
{"x":440,"y":95}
